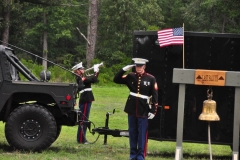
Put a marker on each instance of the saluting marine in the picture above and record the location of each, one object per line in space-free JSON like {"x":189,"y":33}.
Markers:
{"x":142,"y":87}
{"x":86,"y":97}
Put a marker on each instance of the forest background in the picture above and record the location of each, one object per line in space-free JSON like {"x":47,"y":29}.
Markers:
{"x":67,"y":32}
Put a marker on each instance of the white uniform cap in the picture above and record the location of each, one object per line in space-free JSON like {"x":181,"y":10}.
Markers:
{"x":77,"y":66}
{"x":140,"y":61}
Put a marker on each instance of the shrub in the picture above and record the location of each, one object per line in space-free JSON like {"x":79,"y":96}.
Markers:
{"x":59,"y":74}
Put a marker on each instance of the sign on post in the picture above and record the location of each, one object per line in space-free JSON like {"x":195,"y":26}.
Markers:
{"x":210,"y":77}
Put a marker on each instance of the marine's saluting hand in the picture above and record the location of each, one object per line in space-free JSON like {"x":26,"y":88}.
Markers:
{"x":128,"y":67}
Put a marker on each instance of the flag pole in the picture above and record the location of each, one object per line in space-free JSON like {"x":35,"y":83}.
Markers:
{"x":183,"y":45}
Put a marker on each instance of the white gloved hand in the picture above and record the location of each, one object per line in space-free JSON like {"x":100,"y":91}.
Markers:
{"x":96,"y":67}
{"x":128,"y":67}
{"x":150,"y":106}
{"x":150,"y":115}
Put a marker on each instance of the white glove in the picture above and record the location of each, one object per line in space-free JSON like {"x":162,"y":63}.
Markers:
{"x":150,"y":106}
{"x":96,"y":68}
{"x":150,"y":115}
{"x":128,"y":67}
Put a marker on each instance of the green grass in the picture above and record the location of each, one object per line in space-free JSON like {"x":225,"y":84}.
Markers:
{"x":117,"y":148}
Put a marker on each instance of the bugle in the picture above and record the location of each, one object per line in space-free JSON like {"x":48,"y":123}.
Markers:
{"x":99,"y":65}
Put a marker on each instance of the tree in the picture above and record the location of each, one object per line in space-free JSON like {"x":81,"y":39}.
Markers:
{"x":52,"y":26}
{"x":45,"y":47}
{"x":172,"y":13}
{"x":6,"y":17}
{"x":118,"y":20}
{"x":108,"y":31}
{"x":212,"y":15}
{"x":7,"y":7}
{"x":92,"y":30}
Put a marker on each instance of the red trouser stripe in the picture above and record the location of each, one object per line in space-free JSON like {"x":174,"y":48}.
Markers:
{"x":146,"y":145}
{"x":83,"y":117}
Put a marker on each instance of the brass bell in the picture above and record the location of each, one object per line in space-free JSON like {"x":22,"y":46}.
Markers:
{"x":209,"y":109}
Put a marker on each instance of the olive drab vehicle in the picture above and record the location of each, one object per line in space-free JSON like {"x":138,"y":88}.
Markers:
{"x":209,"y":51}
{"x":34,"y":109}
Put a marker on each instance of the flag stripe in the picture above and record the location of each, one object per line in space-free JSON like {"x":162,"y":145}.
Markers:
{"x":170,"y":36}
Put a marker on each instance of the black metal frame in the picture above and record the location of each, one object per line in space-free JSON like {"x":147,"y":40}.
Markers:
{"x":213,"y":51}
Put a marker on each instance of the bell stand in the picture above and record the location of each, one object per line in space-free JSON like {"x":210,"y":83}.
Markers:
{"x":187,"y":76}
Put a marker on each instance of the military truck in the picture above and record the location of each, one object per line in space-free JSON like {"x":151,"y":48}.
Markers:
{"x":209,"y":51}
{"x":33,"y":109}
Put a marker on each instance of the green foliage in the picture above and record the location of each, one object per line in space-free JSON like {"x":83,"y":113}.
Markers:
{"x":58,"y":74}
{"x":113,"y":61}
{"x":211,"y":16}
{"x":105,"y":77}
{"x":66,"y":60}
{"x":115,"y":31}
{"x":153,"y":28}
{"x":117,"y":21}
{"x":171,"y":9}
{"x":62,"y":21}
{"x":33,"y":67}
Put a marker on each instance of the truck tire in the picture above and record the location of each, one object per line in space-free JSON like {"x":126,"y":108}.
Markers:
{"x":30,"y":127}
{"x":59,"y":128}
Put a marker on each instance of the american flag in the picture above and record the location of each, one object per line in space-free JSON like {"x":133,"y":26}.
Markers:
{"x":172,"y":36}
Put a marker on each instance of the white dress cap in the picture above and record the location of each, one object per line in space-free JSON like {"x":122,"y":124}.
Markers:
{"x":77,"y":66}
{"x":140,"y":61}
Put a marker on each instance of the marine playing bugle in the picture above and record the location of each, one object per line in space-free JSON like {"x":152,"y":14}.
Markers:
{"x":99,"y":65}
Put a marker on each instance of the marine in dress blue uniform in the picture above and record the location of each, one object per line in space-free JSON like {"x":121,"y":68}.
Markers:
{"x":141,"y":105}
{"x":86,"y":98}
